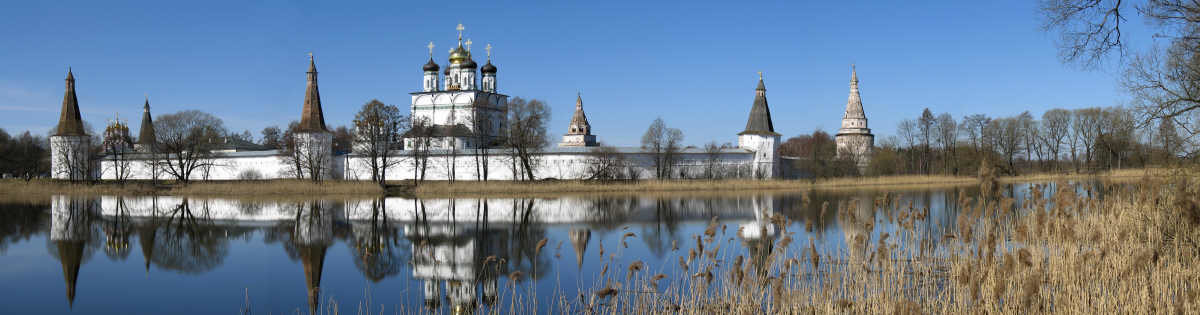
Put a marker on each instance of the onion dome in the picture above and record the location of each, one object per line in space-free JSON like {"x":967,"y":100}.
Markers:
{"x":470,"y":64}
{"x":459,"y":55}
{"x":430,"y":66}
{"x":488,"y":67}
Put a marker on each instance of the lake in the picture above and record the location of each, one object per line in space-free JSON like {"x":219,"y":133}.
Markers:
{"x":168,"y":254}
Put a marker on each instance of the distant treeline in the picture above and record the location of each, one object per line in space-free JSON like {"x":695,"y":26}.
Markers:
{"x":1080,"y":140}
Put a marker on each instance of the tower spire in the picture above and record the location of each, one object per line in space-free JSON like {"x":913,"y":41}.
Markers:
{"x":69,"y":121}
{"x":760,"y":114}
{"x":854,"y":107}
{"x":312,"y":118}
{"x":146,"y":135}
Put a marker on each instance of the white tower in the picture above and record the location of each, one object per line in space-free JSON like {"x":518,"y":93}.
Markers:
{"x":760,"y":136}
{"x":314,"y":142}
{"x":70,"y":144}
{"x":854,"y":139}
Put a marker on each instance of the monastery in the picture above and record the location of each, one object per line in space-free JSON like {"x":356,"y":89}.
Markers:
{"x":466,"y":112}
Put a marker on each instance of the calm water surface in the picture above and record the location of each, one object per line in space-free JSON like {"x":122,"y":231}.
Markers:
{"x":120,"y":255}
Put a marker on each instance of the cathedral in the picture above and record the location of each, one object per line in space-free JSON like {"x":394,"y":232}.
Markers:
{"x":459,"y":110}
{"x":458,"y":119}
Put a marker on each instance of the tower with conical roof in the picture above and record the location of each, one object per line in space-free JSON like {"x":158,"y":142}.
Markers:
{"x":70,"y":144}
{"x":314,"y":142}
{"x":579,"y":133}
{"x":760,"y":136}
{"x":854,"y":139}
{"x":147,"y":140}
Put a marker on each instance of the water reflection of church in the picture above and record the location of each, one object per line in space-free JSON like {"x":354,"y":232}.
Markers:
{"x":458,"y":249}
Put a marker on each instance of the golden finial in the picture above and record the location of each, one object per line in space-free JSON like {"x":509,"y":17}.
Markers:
{"x":468,"y":44}
{"x":760,"y":75}
{"x":310,"y":56}
{"x":460,"y":29}
{"x":430,"y":49}
{"x":489,"y":51}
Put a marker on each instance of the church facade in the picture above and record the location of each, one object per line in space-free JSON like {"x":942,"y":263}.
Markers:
{"x":461,"y":115}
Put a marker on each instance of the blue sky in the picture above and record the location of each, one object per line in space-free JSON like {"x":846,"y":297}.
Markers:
{"x":693,"y":63}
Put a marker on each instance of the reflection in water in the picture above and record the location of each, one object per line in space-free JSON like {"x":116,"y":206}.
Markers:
{"x":464,"y":253}
{"x":70,"y":229}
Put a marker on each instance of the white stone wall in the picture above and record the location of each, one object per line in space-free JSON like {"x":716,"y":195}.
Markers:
{"x":557,"y":164}
{"x":564,"y":166}
{"x":229,"y":167}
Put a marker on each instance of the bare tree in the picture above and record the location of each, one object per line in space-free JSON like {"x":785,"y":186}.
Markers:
{"x":24,"y":156}
{"x":712,"y":155}
{"x":907,"y":131}
{"x":1084,"y":125}
{"x":270,"y":138}
{"x":973,"y":127}
{"x":1055,"y":129}
{"x":1164,"y":83}
{"x":117,"y":146}
{"x":526,"y":134}
{"x":289,"y":154}
{"x":483,"y":142}
{"x":925,"y":125}
{"x":1029,"y":136}
{"x":664,"y":144}
{"x":377,"y":131}
{"x":419,"y":144}
{"x":1008,"y":138}
{"x":1088,"y":29}
{"x":187,"y":140}
{"x":947,"y":139}
{"x":604,"y":163}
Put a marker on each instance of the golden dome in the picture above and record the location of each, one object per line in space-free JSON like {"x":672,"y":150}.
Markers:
{"x":459,"y":55}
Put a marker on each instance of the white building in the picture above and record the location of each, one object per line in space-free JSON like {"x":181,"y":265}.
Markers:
{"x":464,"y":116}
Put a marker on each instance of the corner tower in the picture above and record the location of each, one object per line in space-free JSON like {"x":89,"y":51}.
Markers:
{"x":854,"y":139}
{"x":314,"y":142}
{"x":579,"y":134}
{"x":70,"y":144}
{"x":760,"y":135}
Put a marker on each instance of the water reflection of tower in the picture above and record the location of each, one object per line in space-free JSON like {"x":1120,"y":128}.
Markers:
{"x":759,"y":235}
{"x":857,"y":220}
{"x":69,"y":231}
{"x":579,"y":241}
{"x":313,"y":234}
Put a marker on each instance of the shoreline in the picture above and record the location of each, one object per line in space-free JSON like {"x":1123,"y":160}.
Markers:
{"x":19,"y":189}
